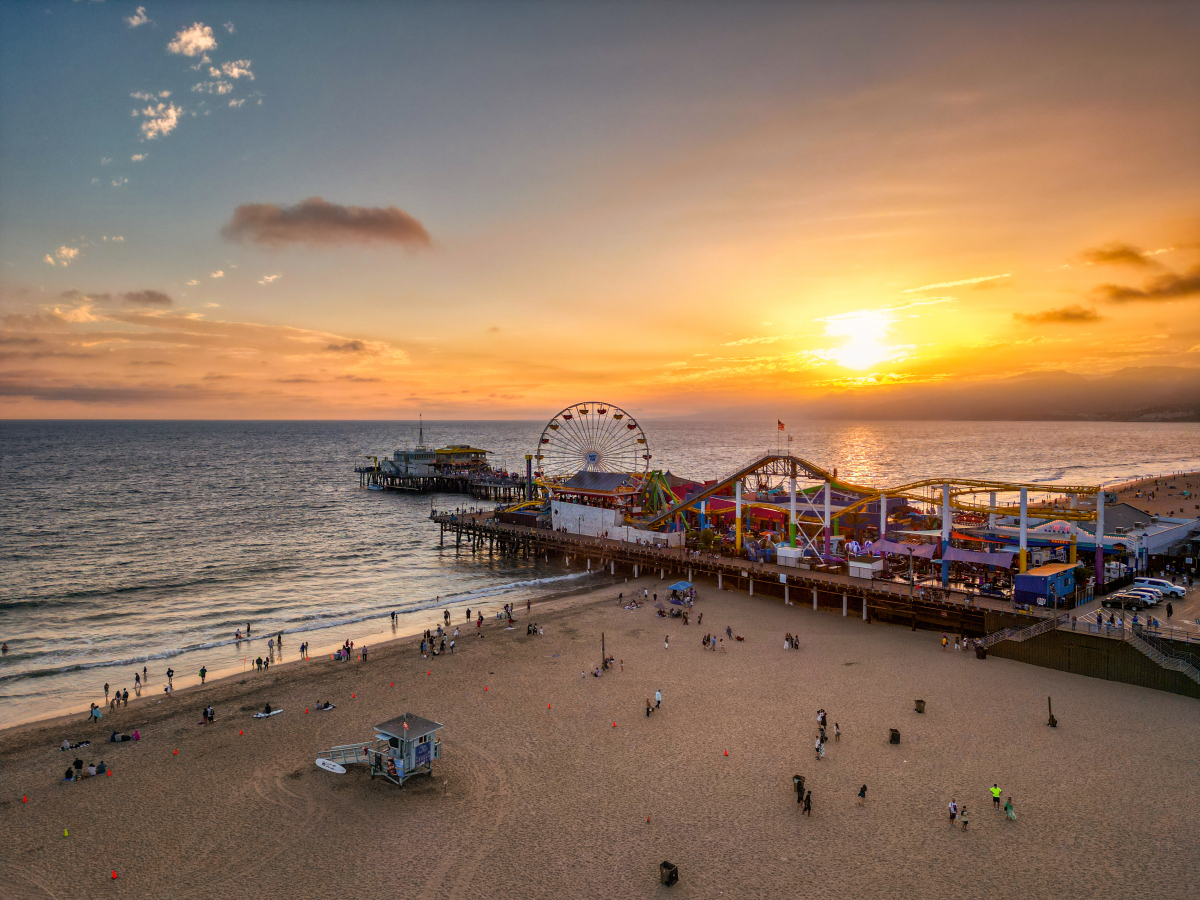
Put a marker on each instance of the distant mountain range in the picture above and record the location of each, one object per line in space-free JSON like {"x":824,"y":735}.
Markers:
{"x":1150,"y":394}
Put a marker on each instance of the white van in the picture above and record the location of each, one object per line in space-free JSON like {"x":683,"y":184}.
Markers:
{"x":1160,"y":584}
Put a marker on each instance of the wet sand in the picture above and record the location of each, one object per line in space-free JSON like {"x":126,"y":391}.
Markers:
{"x":532,"y":800}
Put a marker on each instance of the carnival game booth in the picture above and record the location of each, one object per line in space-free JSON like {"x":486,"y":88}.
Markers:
{"x":1050,"y":585}
{"x":403,"y":747}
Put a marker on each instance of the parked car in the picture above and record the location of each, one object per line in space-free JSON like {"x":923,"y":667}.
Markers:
{"x":1152,"y":595}
{"x":1160,"y":584}
{"x":1125,"y":600}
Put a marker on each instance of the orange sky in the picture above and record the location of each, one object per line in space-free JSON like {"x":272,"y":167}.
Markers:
{"x":673,"y":215}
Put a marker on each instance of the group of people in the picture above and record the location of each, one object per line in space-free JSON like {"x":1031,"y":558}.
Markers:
{"x":77,"y":771}
{"x":823,"y":737}
{"x":428,"y":639}
{"x":958,"y":814}
{"x":791,"y":641}
{"x":711,"y":642}
{"x":533,"y":628}
{"x":208,"y":715}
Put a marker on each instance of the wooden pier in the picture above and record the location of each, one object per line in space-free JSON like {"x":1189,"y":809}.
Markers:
{"x":949,"y":611}
{"x":481,"y":487}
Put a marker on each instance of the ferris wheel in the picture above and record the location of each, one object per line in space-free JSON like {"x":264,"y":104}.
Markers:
{"x":592,"y":437}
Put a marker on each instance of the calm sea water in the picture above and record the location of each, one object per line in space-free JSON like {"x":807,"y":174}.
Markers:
{"x":130,"y":544}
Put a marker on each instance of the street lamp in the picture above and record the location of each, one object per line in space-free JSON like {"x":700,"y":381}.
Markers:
{"x":911,"y":573}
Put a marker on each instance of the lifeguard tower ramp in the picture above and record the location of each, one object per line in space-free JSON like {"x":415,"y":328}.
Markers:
{"x":403,"y":747}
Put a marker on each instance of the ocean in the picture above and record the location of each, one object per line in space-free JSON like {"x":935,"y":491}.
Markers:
{"x":131,"y":544}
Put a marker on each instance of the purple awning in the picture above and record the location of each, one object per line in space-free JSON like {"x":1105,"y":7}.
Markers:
{"x":922,"y":551}
{"x":998,"y":559}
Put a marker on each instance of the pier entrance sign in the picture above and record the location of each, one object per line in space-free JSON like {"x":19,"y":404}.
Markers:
{"x":591,"y":437}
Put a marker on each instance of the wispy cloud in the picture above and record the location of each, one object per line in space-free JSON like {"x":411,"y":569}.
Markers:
{"x":138,"y":157}
{"x":160,"y":120}
{"x":1119,"y":255}
{"x":267,"y":279}
{"x":944,"y":284}
{"x":1068,"y":315}
{"x":193,"y":282}
{"x":138,"y":18}
{"x":1166,"y":287}
{"x":193,"y":41}
{"x":237,"y":103}
{"x":105,"y":160}
{"x":148,"y":95}
{"x":239,"y":68}
{"x":316,"y":221}
{"x":229,"y":27}
{"x":63,"y":256}
{"x":348,"y":347}
{"x":117,"y":182}
{"x":216,"y":274}
{"x":213,"y":87}
{"x":147,"y":298}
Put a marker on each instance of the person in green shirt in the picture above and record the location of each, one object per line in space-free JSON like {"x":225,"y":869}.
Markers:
{"x":1008,"y":810}
{"x":203,"y":672}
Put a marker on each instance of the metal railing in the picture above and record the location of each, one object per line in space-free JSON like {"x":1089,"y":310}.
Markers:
{"x":1016,"y":634}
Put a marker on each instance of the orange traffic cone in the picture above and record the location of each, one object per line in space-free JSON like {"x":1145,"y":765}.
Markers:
{"x":25,"y":799}
{"x":547,"y":706}
{"x":614,"y":724}
{"x":176,"y":751}
{"x":306,"y":710}
{"x":485,"y":687}
{"x":239,"y":731}
{"x":114,"y":871}
{"x":726,"y":752}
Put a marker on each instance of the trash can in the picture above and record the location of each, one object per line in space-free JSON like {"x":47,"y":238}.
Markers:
{"x":981,"y":652}
{"x":798,"y":783}
{"x":920,"y":706}
{"x":668,"y":874}
{"x":895,"y":738}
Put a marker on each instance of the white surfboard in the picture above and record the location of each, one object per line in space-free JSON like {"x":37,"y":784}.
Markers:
{"x":263,"y":715}
{"x":330,"y":766}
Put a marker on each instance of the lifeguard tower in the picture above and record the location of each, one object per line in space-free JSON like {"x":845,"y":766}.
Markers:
{"x":403,"y":747}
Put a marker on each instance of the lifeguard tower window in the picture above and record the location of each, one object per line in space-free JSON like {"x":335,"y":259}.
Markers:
{"x":393,"y":742}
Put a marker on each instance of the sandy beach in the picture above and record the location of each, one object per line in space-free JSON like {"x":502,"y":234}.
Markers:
{"x":538,"y":794}
{"x":1163,"y":495}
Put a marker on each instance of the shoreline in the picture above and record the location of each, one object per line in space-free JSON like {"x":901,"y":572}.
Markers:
{"x":384,"y":644}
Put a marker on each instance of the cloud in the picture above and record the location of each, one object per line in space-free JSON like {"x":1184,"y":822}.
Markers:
{"x":63,"y":256}
{"x":315,"y":221}
{"x":1117,"y":255}
{"x":239,"y":68}
{"x":105,"y":160}
{"x":1070,"y":315}
{"x":217,"y":274}
{"x":358,"y":379}
{"x":348,"y":347}
{"x":117,"y":182}
{"x":757,"y":340}
{"x":1165,"y":287}
{"x":298,"y":379}
{"x":237,"y":103}
{"x":138,"y":18}
{"x":942,"y":284}
{"x":213,"y":87}
{"x":193,"y":281}
{"x":148,"y":95}
{"x":160,"y":120}
{"x":193,"y":41}
{"x":229,"y":27}
{"x":267,"y":279}
{"x":147,"y":298}
{"x":19,"y":341}
{"x":138,"y":157}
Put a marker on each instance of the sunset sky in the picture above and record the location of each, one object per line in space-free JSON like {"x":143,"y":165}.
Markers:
{"x":358,"y":210}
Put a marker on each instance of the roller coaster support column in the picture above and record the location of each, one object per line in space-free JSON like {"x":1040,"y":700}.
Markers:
{"x":992,"y":514}
{"x":947,"y":521}
{"x":1100,"y":536}
{"x":737,"y":527}
{"x":792,"y":511}
{"x":528,"y":477}
{"x":828,"y":501}
{"x":1074,"y":529}
{"x":882,"y":516}
{"x":1024,"y":528}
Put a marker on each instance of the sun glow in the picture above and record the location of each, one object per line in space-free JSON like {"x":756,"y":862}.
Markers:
{"x":865,"y":333}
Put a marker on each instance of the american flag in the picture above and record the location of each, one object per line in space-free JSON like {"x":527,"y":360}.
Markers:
{"x":405,"y":724}
{"x":780,"y":424}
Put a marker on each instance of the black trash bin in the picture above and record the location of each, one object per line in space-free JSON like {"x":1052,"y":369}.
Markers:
{"x":981,"y":652}
{"x":895,"y":736}
{"x":668,"y":874}
{"x":920,"y":706}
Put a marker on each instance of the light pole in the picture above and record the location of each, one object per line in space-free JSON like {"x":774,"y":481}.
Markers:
{"x":911,"y":573}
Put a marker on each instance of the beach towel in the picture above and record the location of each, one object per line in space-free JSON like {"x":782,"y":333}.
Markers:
{"x":263,"y":715}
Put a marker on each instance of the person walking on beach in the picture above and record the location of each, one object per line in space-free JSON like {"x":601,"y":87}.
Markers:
{"x":667,"y":642}
{"x":125,"y":697}
{"x":247,"y":629}
{"x":953,"y":811}
{"x":837,"y":732}
{"x":817,"y":748}
{"x":944,"y":640}
{"x":137,"y":681}
{"x":1170,"y":611}
{"x":657,"y":699}
{"x":808,"y":804}
{"x":729,"y":631}
{"x":995,"y":789}
{"x":963,"y":817}
{"x":700,"y":621}
{"x":143,"y":674}
{"x":203,"y":674}
{"x":1009,"y":811}
{"x":649,"y":708}
{"x":862,"y":796}
{"x":106,"y":692}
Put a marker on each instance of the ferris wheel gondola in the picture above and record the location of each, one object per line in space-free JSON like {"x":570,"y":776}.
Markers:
{"x":592,"y":437}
